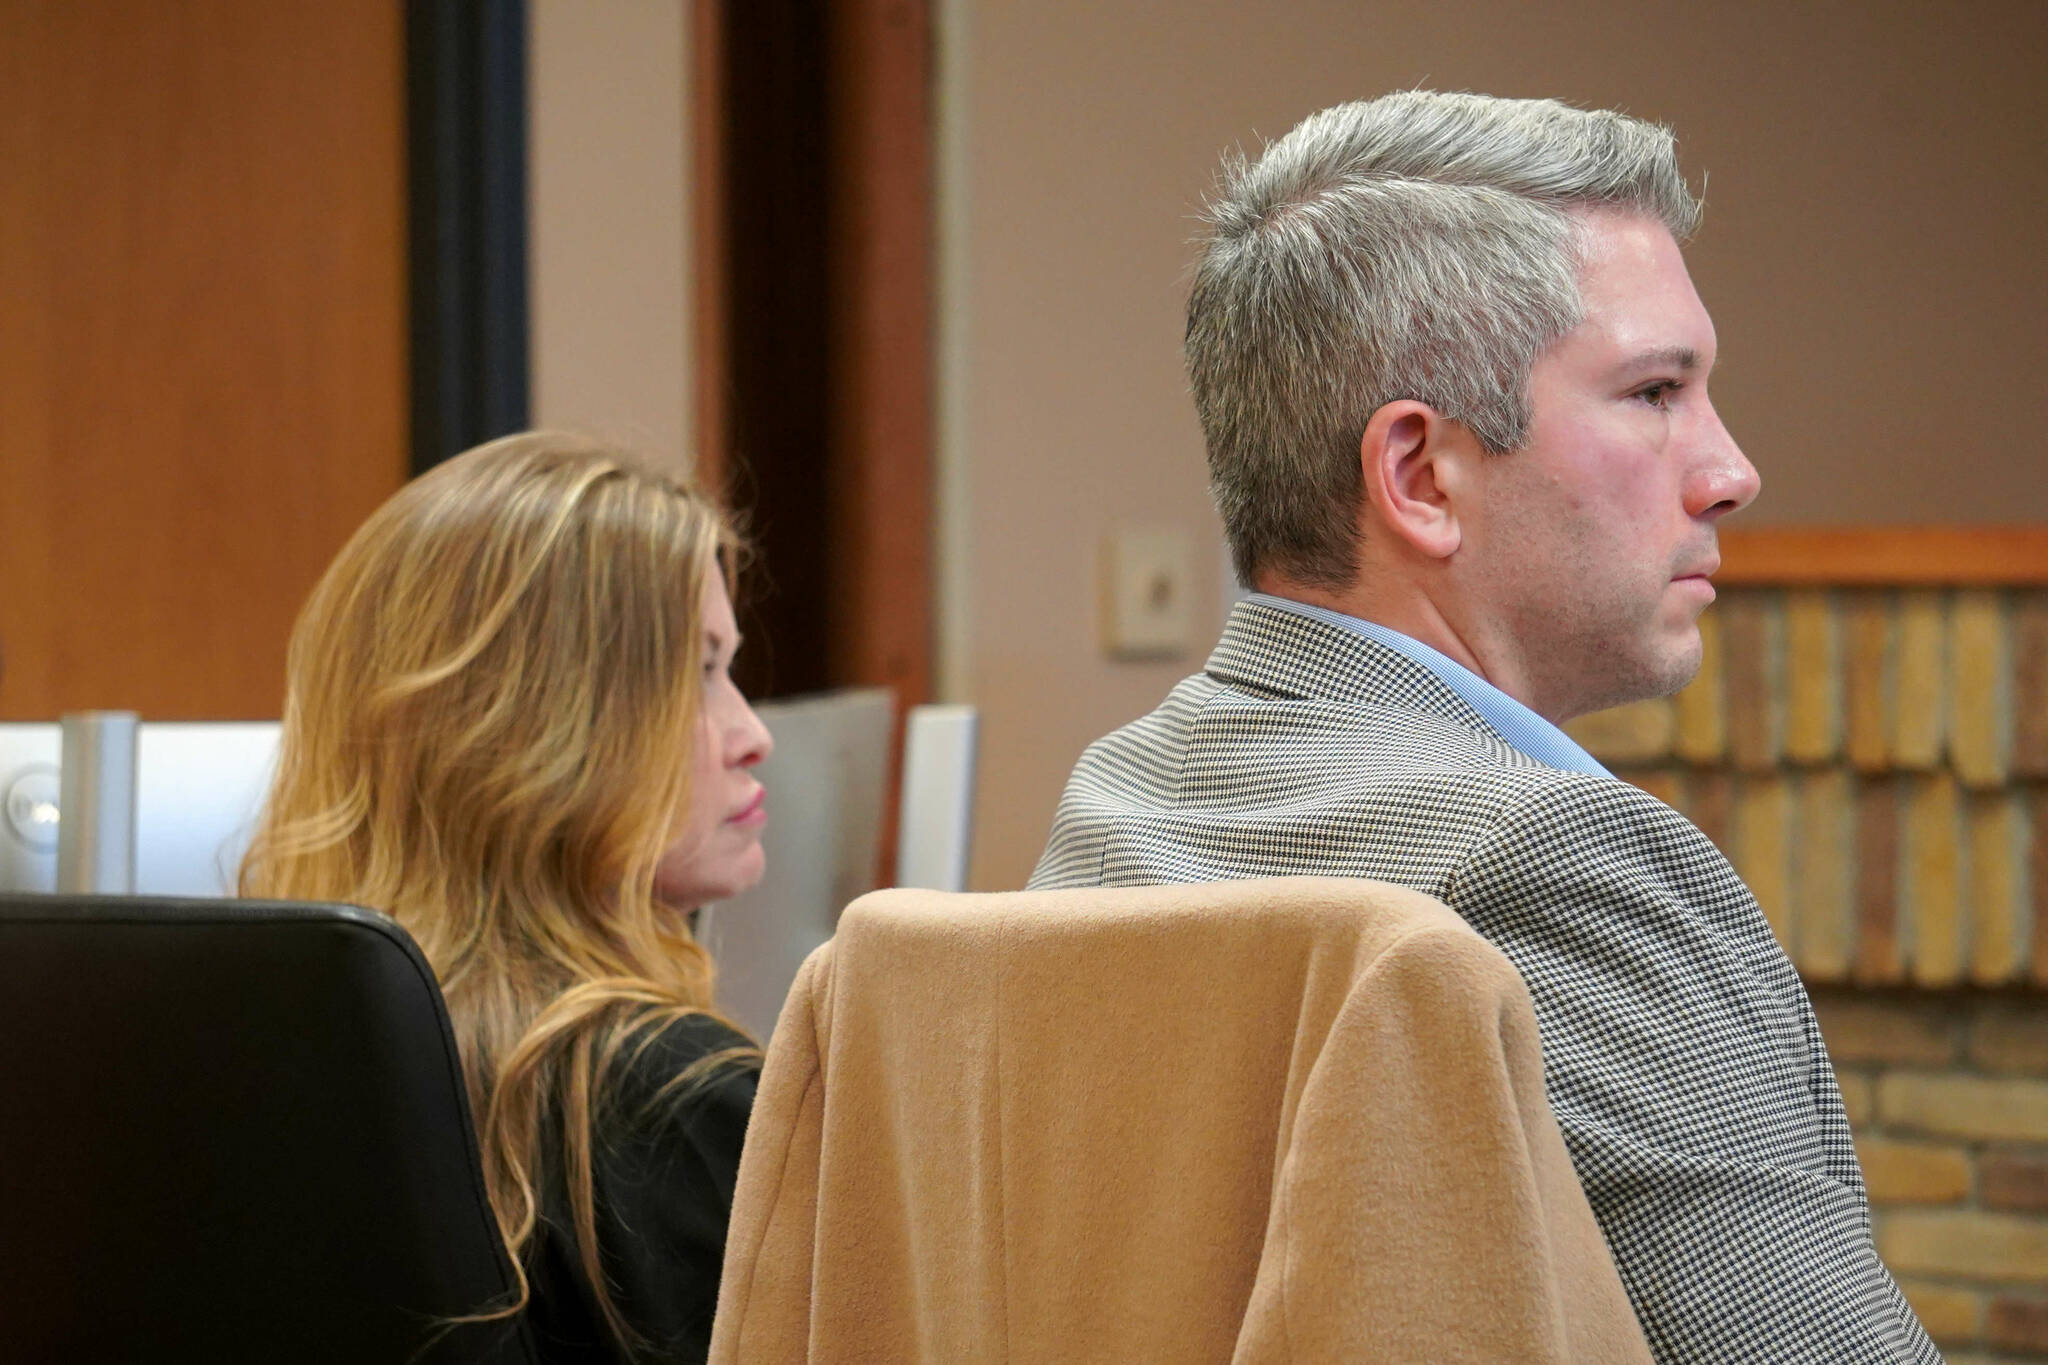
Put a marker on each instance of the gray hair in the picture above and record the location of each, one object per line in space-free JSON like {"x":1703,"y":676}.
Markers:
{"x":1417,"y":246}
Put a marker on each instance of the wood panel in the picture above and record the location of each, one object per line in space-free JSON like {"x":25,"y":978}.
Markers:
{"x":881,"y":123}
{"x":812,"y":134}
{"x":711,"y":266}
{"x":1886,"y":556}
{"x":773,"y":288}
{"x":812,"y":151}
{"x":202,"y":337}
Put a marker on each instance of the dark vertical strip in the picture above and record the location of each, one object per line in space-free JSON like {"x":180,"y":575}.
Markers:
{"x":778,"y":358}
{"x":466,"y":95}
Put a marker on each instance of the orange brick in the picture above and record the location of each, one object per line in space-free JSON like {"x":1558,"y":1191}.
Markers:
{"x":1859,"y":1028}
{"x":1920,"y":687}
{"x":2014,"y":1180}
{"x":1710,"y":798}
{"x":2018,"y":1323}
{"x":1931,"y":863}
{"x":2011,"y":1035}
{"x":1858,"y":1101}
{"x":1867,"y":681}
{"x":1879,"y":959}
{"x":2037,"y":882}
{"x":1751,"y":627}
{"x":1913,"y":1172}
{"x":1824,"y":876}
{"x":2030,"y":684}
{"x":1951,"y":1316}
{"x":1996,"y":1109}
{"x":1640,"y":732}
{"x":1978,"y":693}
{"x":2000,"y":1248}
{"x":1666,"y":784}
{"x":1763,"y":848}
{"x":1702,"y":713}
{"x":1996,"y":903}
{"x":1813,"y":677}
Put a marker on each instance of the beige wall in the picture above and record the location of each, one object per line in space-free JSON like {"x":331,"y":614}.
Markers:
{"x":609,"y":246}
{"x":1871,"y":254}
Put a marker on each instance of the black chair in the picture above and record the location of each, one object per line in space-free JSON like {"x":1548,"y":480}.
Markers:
{"x":235,"y":1130}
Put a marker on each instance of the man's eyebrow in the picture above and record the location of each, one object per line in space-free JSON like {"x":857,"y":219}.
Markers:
{"x":1661,"y":357}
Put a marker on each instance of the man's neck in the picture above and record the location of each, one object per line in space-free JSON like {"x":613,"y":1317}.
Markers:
{"x":1416,"y":616}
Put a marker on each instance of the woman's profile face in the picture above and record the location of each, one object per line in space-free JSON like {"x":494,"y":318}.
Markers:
{"x":716,"y":852}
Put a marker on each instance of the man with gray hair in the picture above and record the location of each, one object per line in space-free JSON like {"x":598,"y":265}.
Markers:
{"x":1452,"y":374}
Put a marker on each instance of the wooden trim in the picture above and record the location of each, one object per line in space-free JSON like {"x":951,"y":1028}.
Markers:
{"x":881,"y":381}
{"x":813,"y":138}
{"x":880,"y":113}
{"x":1886,"y":556}
{"x":711,"y":263}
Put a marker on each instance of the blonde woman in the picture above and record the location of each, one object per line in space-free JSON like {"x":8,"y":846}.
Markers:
{"x":509,"y":723}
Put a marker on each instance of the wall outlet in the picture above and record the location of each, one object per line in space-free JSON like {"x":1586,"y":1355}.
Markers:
{"x":1147,"y":593}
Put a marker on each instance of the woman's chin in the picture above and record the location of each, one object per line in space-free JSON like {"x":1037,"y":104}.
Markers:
{"x":700,"y":886}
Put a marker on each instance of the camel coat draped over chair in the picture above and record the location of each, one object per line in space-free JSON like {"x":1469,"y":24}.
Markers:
{"x":1287,"y":1120}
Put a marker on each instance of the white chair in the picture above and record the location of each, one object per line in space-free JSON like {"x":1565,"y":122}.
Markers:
{"x":935,"y":815}
{"x":198,"y":789}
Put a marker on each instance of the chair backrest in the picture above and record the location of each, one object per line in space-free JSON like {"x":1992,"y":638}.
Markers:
{"x":234,"y":1130}
{"x":935,"y":814}
{"x":1263,"y":1121}
{"x":198,"y":788}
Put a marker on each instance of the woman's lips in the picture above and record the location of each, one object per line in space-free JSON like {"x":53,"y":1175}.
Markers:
{"x":754,"y":812}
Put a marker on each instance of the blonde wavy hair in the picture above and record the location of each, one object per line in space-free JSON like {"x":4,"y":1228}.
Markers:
{"x":492,"y":698}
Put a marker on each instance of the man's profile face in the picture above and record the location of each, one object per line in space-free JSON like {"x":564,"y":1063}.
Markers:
{"x":1593,"y":541}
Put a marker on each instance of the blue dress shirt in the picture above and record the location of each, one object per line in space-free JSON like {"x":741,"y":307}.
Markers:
{"x":1528,"y":732}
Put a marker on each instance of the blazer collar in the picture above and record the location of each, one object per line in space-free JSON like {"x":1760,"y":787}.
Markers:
{"x":1291,"y":655}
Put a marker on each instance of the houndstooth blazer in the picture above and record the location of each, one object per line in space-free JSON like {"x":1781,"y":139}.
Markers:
{"x":1681,"y":1055}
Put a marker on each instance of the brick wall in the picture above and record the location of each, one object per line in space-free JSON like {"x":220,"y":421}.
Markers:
{"x":1875,"y":763}
{"x":1949,"y":1101}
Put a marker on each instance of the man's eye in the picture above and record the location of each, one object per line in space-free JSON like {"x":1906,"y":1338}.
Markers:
{"x":1658,"y":395}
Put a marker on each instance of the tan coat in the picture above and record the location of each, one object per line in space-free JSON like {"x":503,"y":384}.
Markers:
{"x":1291,"y":1120}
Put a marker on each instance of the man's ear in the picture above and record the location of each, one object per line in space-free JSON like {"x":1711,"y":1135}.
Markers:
{"x":1417,"y":467}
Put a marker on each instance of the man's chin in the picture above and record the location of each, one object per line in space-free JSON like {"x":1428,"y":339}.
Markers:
{"x":1659,"y":675}
{"x":1673,"y":669}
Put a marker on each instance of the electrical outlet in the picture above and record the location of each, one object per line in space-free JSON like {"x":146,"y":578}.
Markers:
{"x":1148,"y":584}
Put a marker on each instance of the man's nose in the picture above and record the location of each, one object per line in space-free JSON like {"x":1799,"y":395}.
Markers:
{"x":1723,"y":480}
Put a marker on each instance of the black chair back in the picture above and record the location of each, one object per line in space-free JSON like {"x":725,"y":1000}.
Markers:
{"x":235,"y":1130}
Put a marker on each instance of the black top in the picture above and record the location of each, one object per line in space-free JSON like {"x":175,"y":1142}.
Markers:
{"x":663,"y":1181}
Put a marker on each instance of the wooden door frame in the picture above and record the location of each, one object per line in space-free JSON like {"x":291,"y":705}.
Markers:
{"x":857,"y":575}
{"x":877,"y":476}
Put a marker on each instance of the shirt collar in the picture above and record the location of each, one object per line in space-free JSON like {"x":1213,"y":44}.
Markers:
{"x":1528,"y":732}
